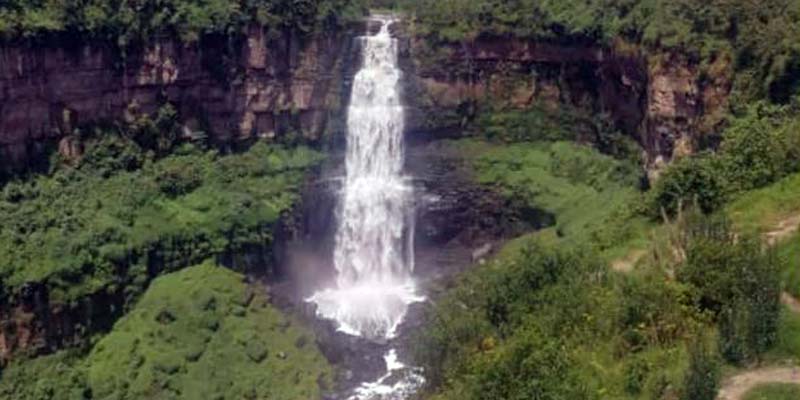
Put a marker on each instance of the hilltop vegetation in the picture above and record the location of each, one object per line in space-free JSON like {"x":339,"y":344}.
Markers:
{"x":754,"y":41}
{"x":200,"y":333}
{"x":130,"y":21}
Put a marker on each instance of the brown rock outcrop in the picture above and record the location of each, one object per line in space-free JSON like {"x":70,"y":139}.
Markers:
{"x":663,"y":104}
{"x":264,"y":86}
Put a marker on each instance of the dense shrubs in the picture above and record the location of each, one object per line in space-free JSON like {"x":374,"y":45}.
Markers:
{"x":691,"y":181}
{"x":508,"y":331}
{"x":533,"y":365}
{"x":703,"y":376}
{"x":121,"y":214}
{"x":200,"y":333}
{"x":738,"y":282}
{"x":640,"y":334}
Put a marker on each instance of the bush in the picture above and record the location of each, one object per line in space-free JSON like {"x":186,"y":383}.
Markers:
{"x":760,"y":147}
{"x":702,"y":378}
{"x":739,"y":282}
{"x":532,"y":366}
{"x":689,"y":181}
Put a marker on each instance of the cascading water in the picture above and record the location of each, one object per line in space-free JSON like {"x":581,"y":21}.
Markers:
{"x":374,"y":242}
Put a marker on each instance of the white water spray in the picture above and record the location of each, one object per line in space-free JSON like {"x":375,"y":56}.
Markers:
{"x":374,"y":242}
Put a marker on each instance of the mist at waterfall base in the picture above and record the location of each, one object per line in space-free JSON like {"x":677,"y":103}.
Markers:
{"x":373,"y":254}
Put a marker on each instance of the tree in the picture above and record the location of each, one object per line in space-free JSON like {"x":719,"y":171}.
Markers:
{"x":736,"y":280}
{"x":702,"y":379}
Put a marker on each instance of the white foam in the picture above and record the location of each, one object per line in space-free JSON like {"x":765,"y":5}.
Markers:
{"x":408,"y":381}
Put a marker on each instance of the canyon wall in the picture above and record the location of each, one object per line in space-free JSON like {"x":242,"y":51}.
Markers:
{"x":661,"y":101}
{"x":272,"y":86}
{"x":263,"y":85}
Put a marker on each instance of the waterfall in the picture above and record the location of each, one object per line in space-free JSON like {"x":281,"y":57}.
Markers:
{"x":373,"y":252}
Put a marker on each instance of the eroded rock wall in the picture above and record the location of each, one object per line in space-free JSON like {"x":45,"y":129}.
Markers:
{"x":263,"y":85}
{"x":662,"y":102}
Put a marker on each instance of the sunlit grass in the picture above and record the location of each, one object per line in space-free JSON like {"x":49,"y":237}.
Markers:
{"x":774,"y":391}
{"x":764,"y":209}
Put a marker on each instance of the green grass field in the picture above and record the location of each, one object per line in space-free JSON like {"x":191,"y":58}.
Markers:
{"x":774,"y":391}
{"x":763,"y":209}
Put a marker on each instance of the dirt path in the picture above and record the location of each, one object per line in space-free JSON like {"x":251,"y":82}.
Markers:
{"x":627,"y":263}
{"x":785,"y":228}
{"x":791,"y":302}
{"x":735,"y":387}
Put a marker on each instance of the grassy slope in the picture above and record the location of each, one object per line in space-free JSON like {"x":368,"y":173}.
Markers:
{"x":762,"y":211}
{"x":592,"y":195}
{"x":197,"y":333}
{"x":774,"y":392}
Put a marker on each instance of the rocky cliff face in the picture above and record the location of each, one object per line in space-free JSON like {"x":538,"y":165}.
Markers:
{"x":662,"y":103}
{"x":261,"y":86}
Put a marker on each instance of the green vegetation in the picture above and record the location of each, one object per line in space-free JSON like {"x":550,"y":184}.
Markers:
{"x":738,"y":283}
{"x":616,"y":336}
{"x":787,"y":344}
{"x":589,"y":193}
{"x":765,"y":209}
{"x":129,"y":21}
{"x":120,"y":216}
{"x":702,"y":377}
{"x":774,"y":391}
{"x":197,"y":333}
{"x":702,"y":297}
{"x":621,"y":336}
{"x":774,"y":210}
{"x":756,"y":41}
{"x":58,"y":376}
{"x":758,"y":148}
